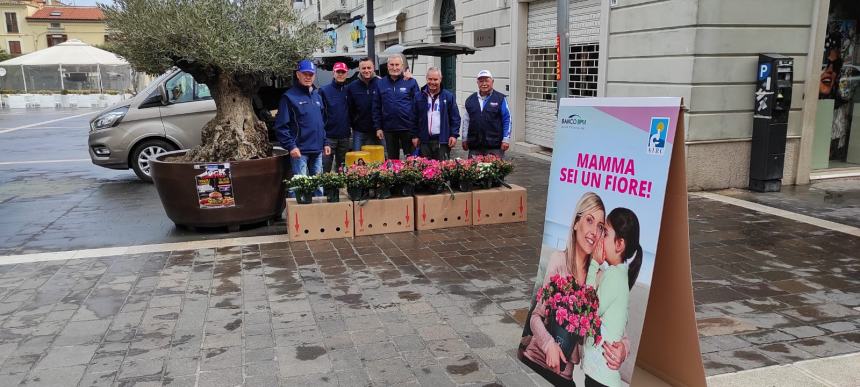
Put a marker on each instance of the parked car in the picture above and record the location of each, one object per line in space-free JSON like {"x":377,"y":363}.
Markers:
{"x":167,"y":115}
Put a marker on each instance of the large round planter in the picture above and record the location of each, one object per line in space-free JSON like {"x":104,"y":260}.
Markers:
{"x":257,"y":186}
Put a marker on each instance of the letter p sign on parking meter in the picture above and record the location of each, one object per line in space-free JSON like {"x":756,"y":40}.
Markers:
{"x":763,"y":71}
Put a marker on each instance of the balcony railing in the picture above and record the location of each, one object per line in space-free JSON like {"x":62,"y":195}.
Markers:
{"x":337,"y":11}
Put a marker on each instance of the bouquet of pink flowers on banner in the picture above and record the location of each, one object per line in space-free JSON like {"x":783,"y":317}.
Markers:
{"x":571,"y":307}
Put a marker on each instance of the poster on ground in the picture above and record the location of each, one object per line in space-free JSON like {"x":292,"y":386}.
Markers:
{"x":607,"y":186}
{"x":215,"y":186}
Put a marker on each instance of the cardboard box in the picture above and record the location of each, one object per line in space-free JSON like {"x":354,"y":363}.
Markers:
{"x":320,"y":219}
{"x":499,"y":205}
{"x":384,"y":216}
{"x":443,"y":210}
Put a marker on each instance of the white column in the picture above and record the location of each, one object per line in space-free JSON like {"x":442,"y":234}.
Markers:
{"x":62,"y":84}
{"x":817,"y":33}
{"x":519,"y":51}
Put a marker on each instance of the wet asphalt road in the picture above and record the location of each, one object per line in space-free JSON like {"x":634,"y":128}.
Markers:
{"x":52,"y":198}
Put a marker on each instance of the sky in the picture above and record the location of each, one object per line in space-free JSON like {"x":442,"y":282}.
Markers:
{"x":87,"y":2}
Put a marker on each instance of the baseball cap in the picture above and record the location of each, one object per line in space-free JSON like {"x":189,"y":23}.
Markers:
{"x":306,"y":66}
{"x":484,"y":73}
{"x":340,"y":66}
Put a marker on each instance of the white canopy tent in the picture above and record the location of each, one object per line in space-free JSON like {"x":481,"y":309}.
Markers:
{"x":72,"y":65}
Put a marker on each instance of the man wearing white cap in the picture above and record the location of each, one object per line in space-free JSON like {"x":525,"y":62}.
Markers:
{"x":487,"y":122}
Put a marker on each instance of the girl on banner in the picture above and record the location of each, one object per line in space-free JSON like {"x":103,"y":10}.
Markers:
{"x":613,"y":280}
{"x":539,"y":349}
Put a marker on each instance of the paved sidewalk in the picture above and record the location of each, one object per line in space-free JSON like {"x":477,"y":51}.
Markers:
{"x":431,"y":308}
{"x":829,"y":372}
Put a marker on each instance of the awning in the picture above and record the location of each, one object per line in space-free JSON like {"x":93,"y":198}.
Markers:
{"x":388,"y":22}
{"x":326,"y":60}
{"x":430,"y":49}
{"x":72,"y":52}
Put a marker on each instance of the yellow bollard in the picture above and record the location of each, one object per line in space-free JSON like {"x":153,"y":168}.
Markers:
{"x":377,"y":153}
{"x":354,"y":157}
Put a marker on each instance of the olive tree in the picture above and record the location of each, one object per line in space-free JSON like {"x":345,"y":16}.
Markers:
{"x":231,"y":46}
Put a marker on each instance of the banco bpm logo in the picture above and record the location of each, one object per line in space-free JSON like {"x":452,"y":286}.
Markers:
{"x":573,"y":121}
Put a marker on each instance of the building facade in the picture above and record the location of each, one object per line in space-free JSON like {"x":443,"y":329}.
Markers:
{"x":33,"y":25}
{"x":705,"y":51}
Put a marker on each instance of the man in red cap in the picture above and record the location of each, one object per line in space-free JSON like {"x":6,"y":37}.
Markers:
{"x":336,"y":116}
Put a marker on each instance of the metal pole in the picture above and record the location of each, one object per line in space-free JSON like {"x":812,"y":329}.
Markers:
{"x":99,"y":70}
{"x":563,"y":28}
{"x":62,"y":85}
{"x":370,"y":41}
{"x":24,"y":77}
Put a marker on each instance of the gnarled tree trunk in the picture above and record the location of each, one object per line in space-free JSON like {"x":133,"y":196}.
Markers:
{"x":235,"y":133}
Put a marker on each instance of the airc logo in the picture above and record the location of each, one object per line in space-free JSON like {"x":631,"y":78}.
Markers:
{"x":573,"y":121}
{"x":657,"y":135}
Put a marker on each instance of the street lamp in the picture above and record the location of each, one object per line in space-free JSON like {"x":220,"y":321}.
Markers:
{"x":371,"y":33}
{"x":562,"y":43}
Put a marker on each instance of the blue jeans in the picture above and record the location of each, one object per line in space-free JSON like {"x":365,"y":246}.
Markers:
{"x":308,"y":165}
{"x":361,"y":138}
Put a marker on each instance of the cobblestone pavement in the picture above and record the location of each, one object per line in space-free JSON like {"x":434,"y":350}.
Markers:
{"x":836,"y":200}
{"x":432,"y":308}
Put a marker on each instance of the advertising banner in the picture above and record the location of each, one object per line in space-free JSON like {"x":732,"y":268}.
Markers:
{"x":215,"y":186}
{"x":604,"y":217}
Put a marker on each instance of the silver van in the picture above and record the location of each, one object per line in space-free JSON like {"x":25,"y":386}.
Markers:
{"x":168,"y":115}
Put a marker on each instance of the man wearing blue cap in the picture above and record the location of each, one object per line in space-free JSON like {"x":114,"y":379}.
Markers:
{"x":299,"y":124}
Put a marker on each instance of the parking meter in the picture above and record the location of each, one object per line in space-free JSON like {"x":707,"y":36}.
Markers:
{"x":770,"y":121}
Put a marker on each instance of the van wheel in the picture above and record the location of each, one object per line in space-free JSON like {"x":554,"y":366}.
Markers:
{"x":143,"y":152}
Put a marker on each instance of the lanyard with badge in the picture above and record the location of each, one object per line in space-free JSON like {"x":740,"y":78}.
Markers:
{"x":432,"y":108}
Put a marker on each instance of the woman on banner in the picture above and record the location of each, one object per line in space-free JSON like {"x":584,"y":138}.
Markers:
{"x":538,"y":348}
{"x":616,"y":262}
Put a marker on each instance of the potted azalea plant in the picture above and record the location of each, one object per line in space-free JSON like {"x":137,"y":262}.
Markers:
{"x":304,"y":187}
{"x":331,"y":183}
{"x":234,"y":48}
{"x":358,"y":181}
{"x":406,"y":178}
{"x":383,"y":179}
{"x":503,"y":168}
{"x":466,"y":174}
{"x":571,"y":312}
{"x":432,"y":177}
{"x":486,"y":173}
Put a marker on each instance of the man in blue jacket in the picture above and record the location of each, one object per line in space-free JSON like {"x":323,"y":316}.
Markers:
{"x":299,"y":124}
{"x":487,"y":123}
{"x":438,"y":119}
{"x":359,"y":96}
{"x":394,"y":109}
{"x":336,"y":118}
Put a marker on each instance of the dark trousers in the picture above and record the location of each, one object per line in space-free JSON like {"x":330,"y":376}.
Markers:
{"x":483,"y":152}
{"x":433,"y":149}
{"x":360,"y":139}
{"x":395,"y":141}
{"x":589,"y":382}
{"x":337,"y":157}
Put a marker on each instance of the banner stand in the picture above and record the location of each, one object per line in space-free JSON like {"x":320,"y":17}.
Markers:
{"x":669,"y":348}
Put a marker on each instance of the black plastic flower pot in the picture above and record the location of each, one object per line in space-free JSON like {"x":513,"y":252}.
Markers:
{"x":304,"y":197}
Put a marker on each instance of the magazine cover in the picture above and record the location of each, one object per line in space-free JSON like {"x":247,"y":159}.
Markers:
{"x":606,"y":188}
